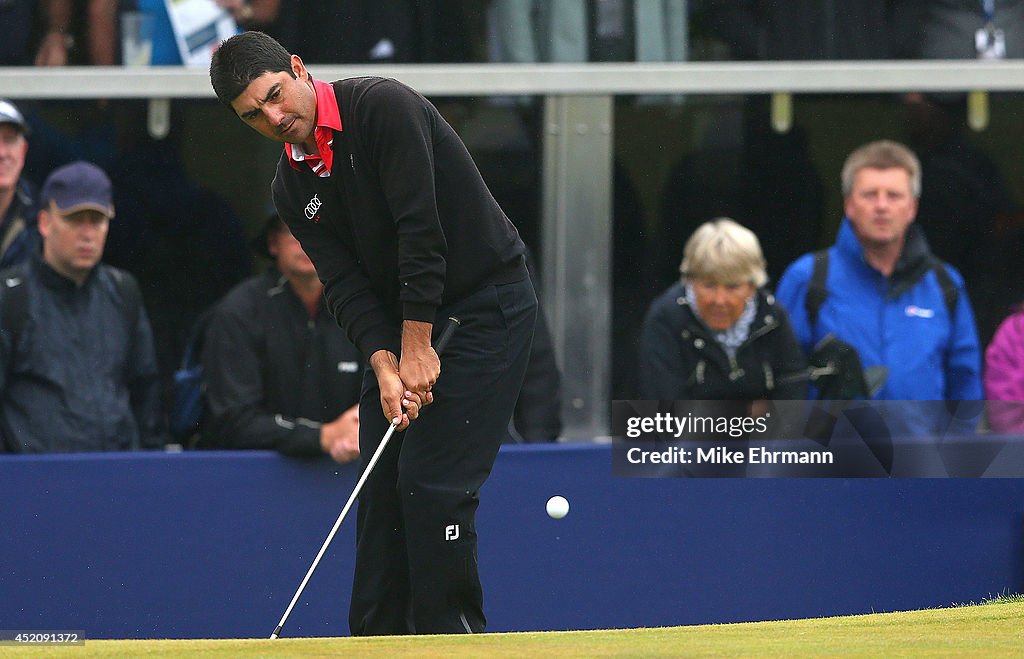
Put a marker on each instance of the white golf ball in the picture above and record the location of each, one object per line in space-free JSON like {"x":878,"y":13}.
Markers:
{"x":558,"y":507}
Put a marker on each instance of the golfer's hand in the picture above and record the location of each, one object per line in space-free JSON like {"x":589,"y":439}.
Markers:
{"x":398,"y":403}
{"x":420,"y":365}
{"x":340,"y":438}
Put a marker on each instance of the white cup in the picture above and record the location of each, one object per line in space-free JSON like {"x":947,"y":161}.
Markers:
{"x":136,"y":38}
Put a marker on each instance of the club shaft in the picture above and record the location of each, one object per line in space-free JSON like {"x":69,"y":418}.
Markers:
{"x":341,"y":518}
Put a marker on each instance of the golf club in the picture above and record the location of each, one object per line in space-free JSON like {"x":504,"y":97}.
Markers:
{"x":442,"y":341}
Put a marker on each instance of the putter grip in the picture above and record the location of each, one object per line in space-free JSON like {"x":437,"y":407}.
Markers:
{"x":446,"y":334}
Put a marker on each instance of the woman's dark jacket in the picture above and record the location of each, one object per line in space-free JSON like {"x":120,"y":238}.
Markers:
{"x":679,"y":358}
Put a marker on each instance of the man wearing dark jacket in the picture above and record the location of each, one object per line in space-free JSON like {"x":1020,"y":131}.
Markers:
{"x":77,"y":366}
{"x":386,"y":200}
{"x":279,"y":373}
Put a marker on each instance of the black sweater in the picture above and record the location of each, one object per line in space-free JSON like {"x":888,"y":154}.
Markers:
{"x":404,"y":224}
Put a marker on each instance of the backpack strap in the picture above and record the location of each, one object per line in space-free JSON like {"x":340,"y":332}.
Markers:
{"x":130,"y":294}
{"x":817,"y":290}
{"x":15,"y":228}
{"x":950,"y":292}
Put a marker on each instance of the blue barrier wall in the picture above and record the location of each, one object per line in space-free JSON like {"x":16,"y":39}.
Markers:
{"x":214,"y":544}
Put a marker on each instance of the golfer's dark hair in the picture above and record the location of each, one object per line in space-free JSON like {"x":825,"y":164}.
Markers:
{"x":243,"y":58}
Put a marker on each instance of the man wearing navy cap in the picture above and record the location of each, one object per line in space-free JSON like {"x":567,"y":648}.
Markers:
{"x":77,"y":367}
{"x":18,"y":235}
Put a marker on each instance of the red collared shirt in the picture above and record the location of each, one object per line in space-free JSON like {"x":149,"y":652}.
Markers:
{"x":328,"y":120}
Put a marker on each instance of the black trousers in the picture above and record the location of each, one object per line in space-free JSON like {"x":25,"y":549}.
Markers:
{"x":416,"y":561}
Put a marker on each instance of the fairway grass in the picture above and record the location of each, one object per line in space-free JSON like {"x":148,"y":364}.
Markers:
{"x":989,"y":630}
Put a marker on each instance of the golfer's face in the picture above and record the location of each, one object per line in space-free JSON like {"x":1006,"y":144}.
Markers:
{"x":280,"y":106}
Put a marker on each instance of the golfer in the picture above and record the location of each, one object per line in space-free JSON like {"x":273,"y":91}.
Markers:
{"x":386,"y":200}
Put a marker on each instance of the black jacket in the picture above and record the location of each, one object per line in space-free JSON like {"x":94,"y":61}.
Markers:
{"x":679,"y":358}
{"x":80,"y":374}
{"x":19,"y":234}
{"x":404,"y":224}
{"x":272,"y":374}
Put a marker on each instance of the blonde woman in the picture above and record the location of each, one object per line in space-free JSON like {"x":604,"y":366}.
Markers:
{"x":717,"y":334}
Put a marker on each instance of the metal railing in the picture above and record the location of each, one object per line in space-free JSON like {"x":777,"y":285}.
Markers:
{"x":578,"y":139}
{"x":550,"y":79}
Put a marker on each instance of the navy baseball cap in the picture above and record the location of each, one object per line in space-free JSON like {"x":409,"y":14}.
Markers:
{"x":9,"y":114}
{"x":77,"y":187}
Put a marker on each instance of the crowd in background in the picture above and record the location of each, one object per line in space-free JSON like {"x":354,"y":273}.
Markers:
{"x":966,"y":209}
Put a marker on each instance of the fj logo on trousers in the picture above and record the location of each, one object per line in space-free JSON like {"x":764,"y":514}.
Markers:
{"x":451,"y":532}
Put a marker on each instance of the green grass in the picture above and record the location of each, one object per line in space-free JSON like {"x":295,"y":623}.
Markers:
{"x":992,"y":629}
{"x":1005,"y":598}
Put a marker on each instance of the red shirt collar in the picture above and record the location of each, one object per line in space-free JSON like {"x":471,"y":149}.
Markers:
{"x":328,"y":120}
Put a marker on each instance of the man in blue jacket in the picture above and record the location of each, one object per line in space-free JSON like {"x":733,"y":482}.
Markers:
{"x":880,"y":289}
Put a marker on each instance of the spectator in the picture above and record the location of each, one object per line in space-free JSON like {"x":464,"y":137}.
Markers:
{"x":77,"y":367}
{"x":97,"y":24}
{"x":717,"y":334}
{"x":42,"y":32}
{"x":1004,"y":376}
{"x":280,"y":374}
{"x":885,"y":293}
{"x":19,"y":237}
